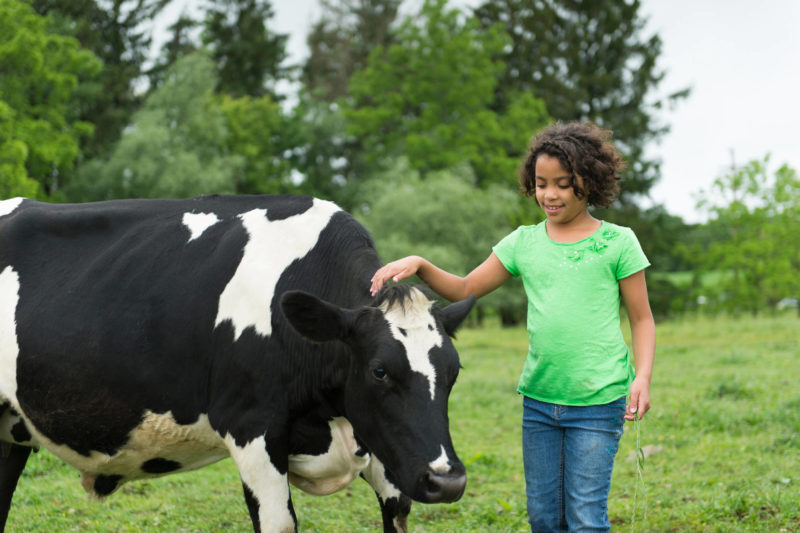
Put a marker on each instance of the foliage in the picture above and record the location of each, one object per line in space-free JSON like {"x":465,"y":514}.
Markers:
{"x":428,"y":97}
{"x":323,"y":153}
{"x":587,"y":60}
{"x":39,"y":72}
{"x":260,"y":134}
{"x":341,"y":40}
{"x":116,"y":32}
{"x":175,"y":147}
{"x":729,"y":451}
{"x":180,"y":43}
{"x":248,"y":55}
{"x":757,"y":217}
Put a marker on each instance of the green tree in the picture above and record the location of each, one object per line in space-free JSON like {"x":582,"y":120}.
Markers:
{"x":248,"y":55}
{"x":260,"y":134}
{"x":40,"y":131}
{"x":181,"y":43}
{"x":341,"y":40}
{"x":176,"y":145}
{"x":429,"y":95}
{"x":587,"y":60}
{"x":322,"y":152}
{"x":445,"y":219}
{"x":116,"y":31}
{"x":757,"y":253}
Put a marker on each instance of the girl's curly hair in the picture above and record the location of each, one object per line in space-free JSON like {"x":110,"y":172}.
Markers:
{"x":584,"y":150}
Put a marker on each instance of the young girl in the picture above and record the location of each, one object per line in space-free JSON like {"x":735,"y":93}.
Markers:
{"x":578,"y":369}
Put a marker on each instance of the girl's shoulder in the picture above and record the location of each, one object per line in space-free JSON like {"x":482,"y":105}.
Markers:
{"x":611,"y":231}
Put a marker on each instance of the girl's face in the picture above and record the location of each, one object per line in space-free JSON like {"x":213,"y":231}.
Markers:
{"x":554,"y":191}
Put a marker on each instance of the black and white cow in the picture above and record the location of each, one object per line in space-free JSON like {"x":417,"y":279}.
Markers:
{"x":143,"y":337}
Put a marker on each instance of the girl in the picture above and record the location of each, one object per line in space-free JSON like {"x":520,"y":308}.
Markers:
{"x":578,"y":369}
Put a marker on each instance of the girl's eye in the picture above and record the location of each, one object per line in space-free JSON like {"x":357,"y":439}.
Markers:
{"x":379,"y":373}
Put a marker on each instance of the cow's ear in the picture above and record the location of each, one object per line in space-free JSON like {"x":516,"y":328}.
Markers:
{"x":314,"y":319}
{"x":454,"y":314}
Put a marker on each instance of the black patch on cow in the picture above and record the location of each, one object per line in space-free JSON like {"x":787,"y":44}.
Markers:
{"x":20,"y":432}
{"x":105,"y":485}
{"x":252,"y":506}
{"x":395,"y":510}
{"x":159,"y":465}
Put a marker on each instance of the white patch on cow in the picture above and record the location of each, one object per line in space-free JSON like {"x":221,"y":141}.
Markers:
{"x":421,"y":334}
{"x":158,"y":436}
{"x":9,"y":348}
{"x":9,"y":206}
{"x":442,"y":464}
{"x":269,"y":487}
{"x":375,"y":475}
{"x":271,"y":248}
{"x":335,"y":469}
{"x":197,"y":223}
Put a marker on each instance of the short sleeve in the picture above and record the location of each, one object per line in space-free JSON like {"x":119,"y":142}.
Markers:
{"x":506,"y":251}
{"x":632,"y":258}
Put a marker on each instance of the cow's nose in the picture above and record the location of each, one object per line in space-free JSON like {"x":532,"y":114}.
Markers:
{"x":443,"y":488}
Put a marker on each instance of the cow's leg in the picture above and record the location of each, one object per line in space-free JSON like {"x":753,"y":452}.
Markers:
{"x":12,"y":463}
{"x":266,"y":486}
{"x":395,"y":505}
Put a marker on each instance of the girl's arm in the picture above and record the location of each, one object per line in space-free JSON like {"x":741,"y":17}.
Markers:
{"x":484,"y":279}
{"x":643,"y":333}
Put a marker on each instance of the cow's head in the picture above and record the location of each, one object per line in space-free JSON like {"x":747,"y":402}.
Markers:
{"x":402,"y":368}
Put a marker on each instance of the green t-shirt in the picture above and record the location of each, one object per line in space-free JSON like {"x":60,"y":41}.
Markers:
{"x":576,"y":353}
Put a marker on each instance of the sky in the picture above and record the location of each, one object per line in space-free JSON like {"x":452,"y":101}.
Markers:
{"x":740,"y":58}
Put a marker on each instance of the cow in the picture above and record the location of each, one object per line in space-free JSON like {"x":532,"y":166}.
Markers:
{"x":140,"y":338}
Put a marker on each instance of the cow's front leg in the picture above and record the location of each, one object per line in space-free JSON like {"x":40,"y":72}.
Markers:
{"x":263,"y":468}
{"x":395,"y":505}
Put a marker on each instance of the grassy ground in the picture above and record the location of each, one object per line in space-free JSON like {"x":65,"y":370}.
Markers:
{"x":726,"y":418}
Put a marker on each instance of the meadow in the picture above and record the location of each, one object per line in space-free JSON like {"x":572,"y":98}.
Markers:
{"x":722,"y":443}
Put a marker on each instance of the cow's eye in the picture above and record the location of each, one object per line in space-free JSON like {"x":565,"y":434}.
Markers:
{"x":379,"y":373}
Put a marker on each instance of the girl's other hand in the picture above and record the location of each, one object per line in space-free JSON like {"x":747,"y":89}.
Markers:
{"x":396,"y":271}
{"x":640,"y":399}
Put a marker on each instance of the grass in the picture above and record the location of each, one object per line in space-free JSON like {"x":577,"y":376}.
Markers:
{"x":726,"y":415}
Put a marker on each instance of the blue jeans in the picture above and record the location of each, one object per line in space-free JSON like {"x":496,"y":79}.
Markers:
{"x":568,"y":454}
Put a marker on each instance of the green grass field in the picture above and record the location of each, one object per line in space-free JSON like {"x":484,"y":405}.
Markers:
{"x":726,"y":417}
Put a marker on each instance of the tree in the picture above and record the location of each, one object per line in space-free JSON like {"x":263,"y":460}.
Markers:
{"x":757,"y":254}
{"x":180,"y":44}
{"x":176,"y":145}
{"x":428,"y":97}
{"x":341,"y":40}
{"x":40,"y":71}
{"x":247,"y":54}
{"x":262,"y":137}
{"x":587,"y":60}
{"x":115,"y":31}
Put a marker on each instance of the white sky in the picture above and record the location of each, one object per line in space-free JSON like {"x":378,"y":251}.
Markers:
{"x":741,"y":58}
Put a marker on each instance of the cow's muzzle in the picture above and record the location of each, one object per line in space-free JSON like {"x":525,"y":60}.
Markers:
{"x":442,"y":488}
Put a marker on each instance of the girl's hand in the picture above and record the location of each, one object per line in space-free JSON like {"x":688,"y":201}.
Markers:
{"x":640,"y":399}
{"x":396,"y":271}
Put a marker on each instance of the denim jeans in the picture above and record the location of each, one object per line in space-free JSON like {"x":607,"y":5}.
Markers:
{"x":568,"y":453}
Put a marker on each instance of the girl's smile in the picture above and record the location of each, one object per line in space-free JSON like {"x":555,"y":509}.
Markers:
{"x":555,"y":193}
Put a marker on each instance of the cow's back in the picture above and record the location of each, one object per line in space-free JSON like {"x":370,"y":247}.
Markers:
{"x":130,"y":307}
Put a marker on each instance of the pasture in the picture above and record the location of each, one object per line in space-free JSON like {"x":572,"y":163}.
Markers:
{"x":726,"y":419}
